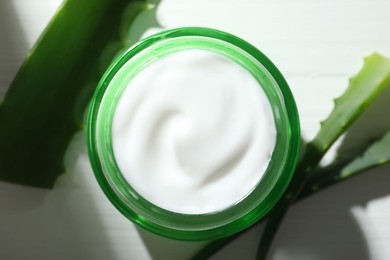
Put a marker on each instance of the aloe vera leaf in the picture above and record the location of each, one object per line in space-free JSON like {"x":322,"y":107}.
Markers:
{"x":323,"y":177}
{"x":45,"y":104}
{"x":342,"y":159}
{"x":376,"y":155}
{"x":363,"y":88}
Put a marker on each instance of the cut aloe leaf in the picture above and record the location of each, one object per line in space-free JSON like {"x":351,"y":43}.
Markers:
{"x":362,"y":90}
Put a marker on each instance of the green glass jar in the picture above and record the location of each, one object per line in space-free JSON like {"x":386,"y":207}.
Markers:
{"x":193,"y":226}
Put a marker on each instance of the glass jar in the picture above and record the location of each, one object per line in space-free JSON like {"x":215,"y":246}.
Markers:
{"x":175,"y":225}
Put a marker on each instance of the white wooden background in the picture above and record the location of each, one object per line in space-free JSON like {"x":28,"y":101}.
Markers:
{"x":316,"y":44}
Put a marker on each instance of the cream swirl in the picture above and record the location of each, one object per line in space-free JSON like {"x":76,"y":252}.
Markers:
{"x":193,"y":132}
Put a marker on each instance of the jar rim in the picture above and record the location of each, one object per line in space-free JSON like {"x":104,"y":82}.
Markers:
{"x":204,"y":226}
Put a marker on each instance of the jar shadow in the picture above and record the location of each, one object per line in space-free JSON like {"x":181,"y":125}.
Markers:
{"x":73,"y":211}
{"x":161,"y":248}
{"x":63,"y":223}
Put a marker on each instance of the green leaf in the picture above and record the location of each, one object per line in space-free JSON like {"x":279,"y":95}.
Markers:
{"x":363,"y":88}
{"x":45,"y":104}
{"x":376,"y":155}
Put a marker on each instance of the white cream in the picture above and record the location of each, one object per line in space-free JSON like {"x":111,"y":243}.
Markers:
{"x":193,"y":132}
